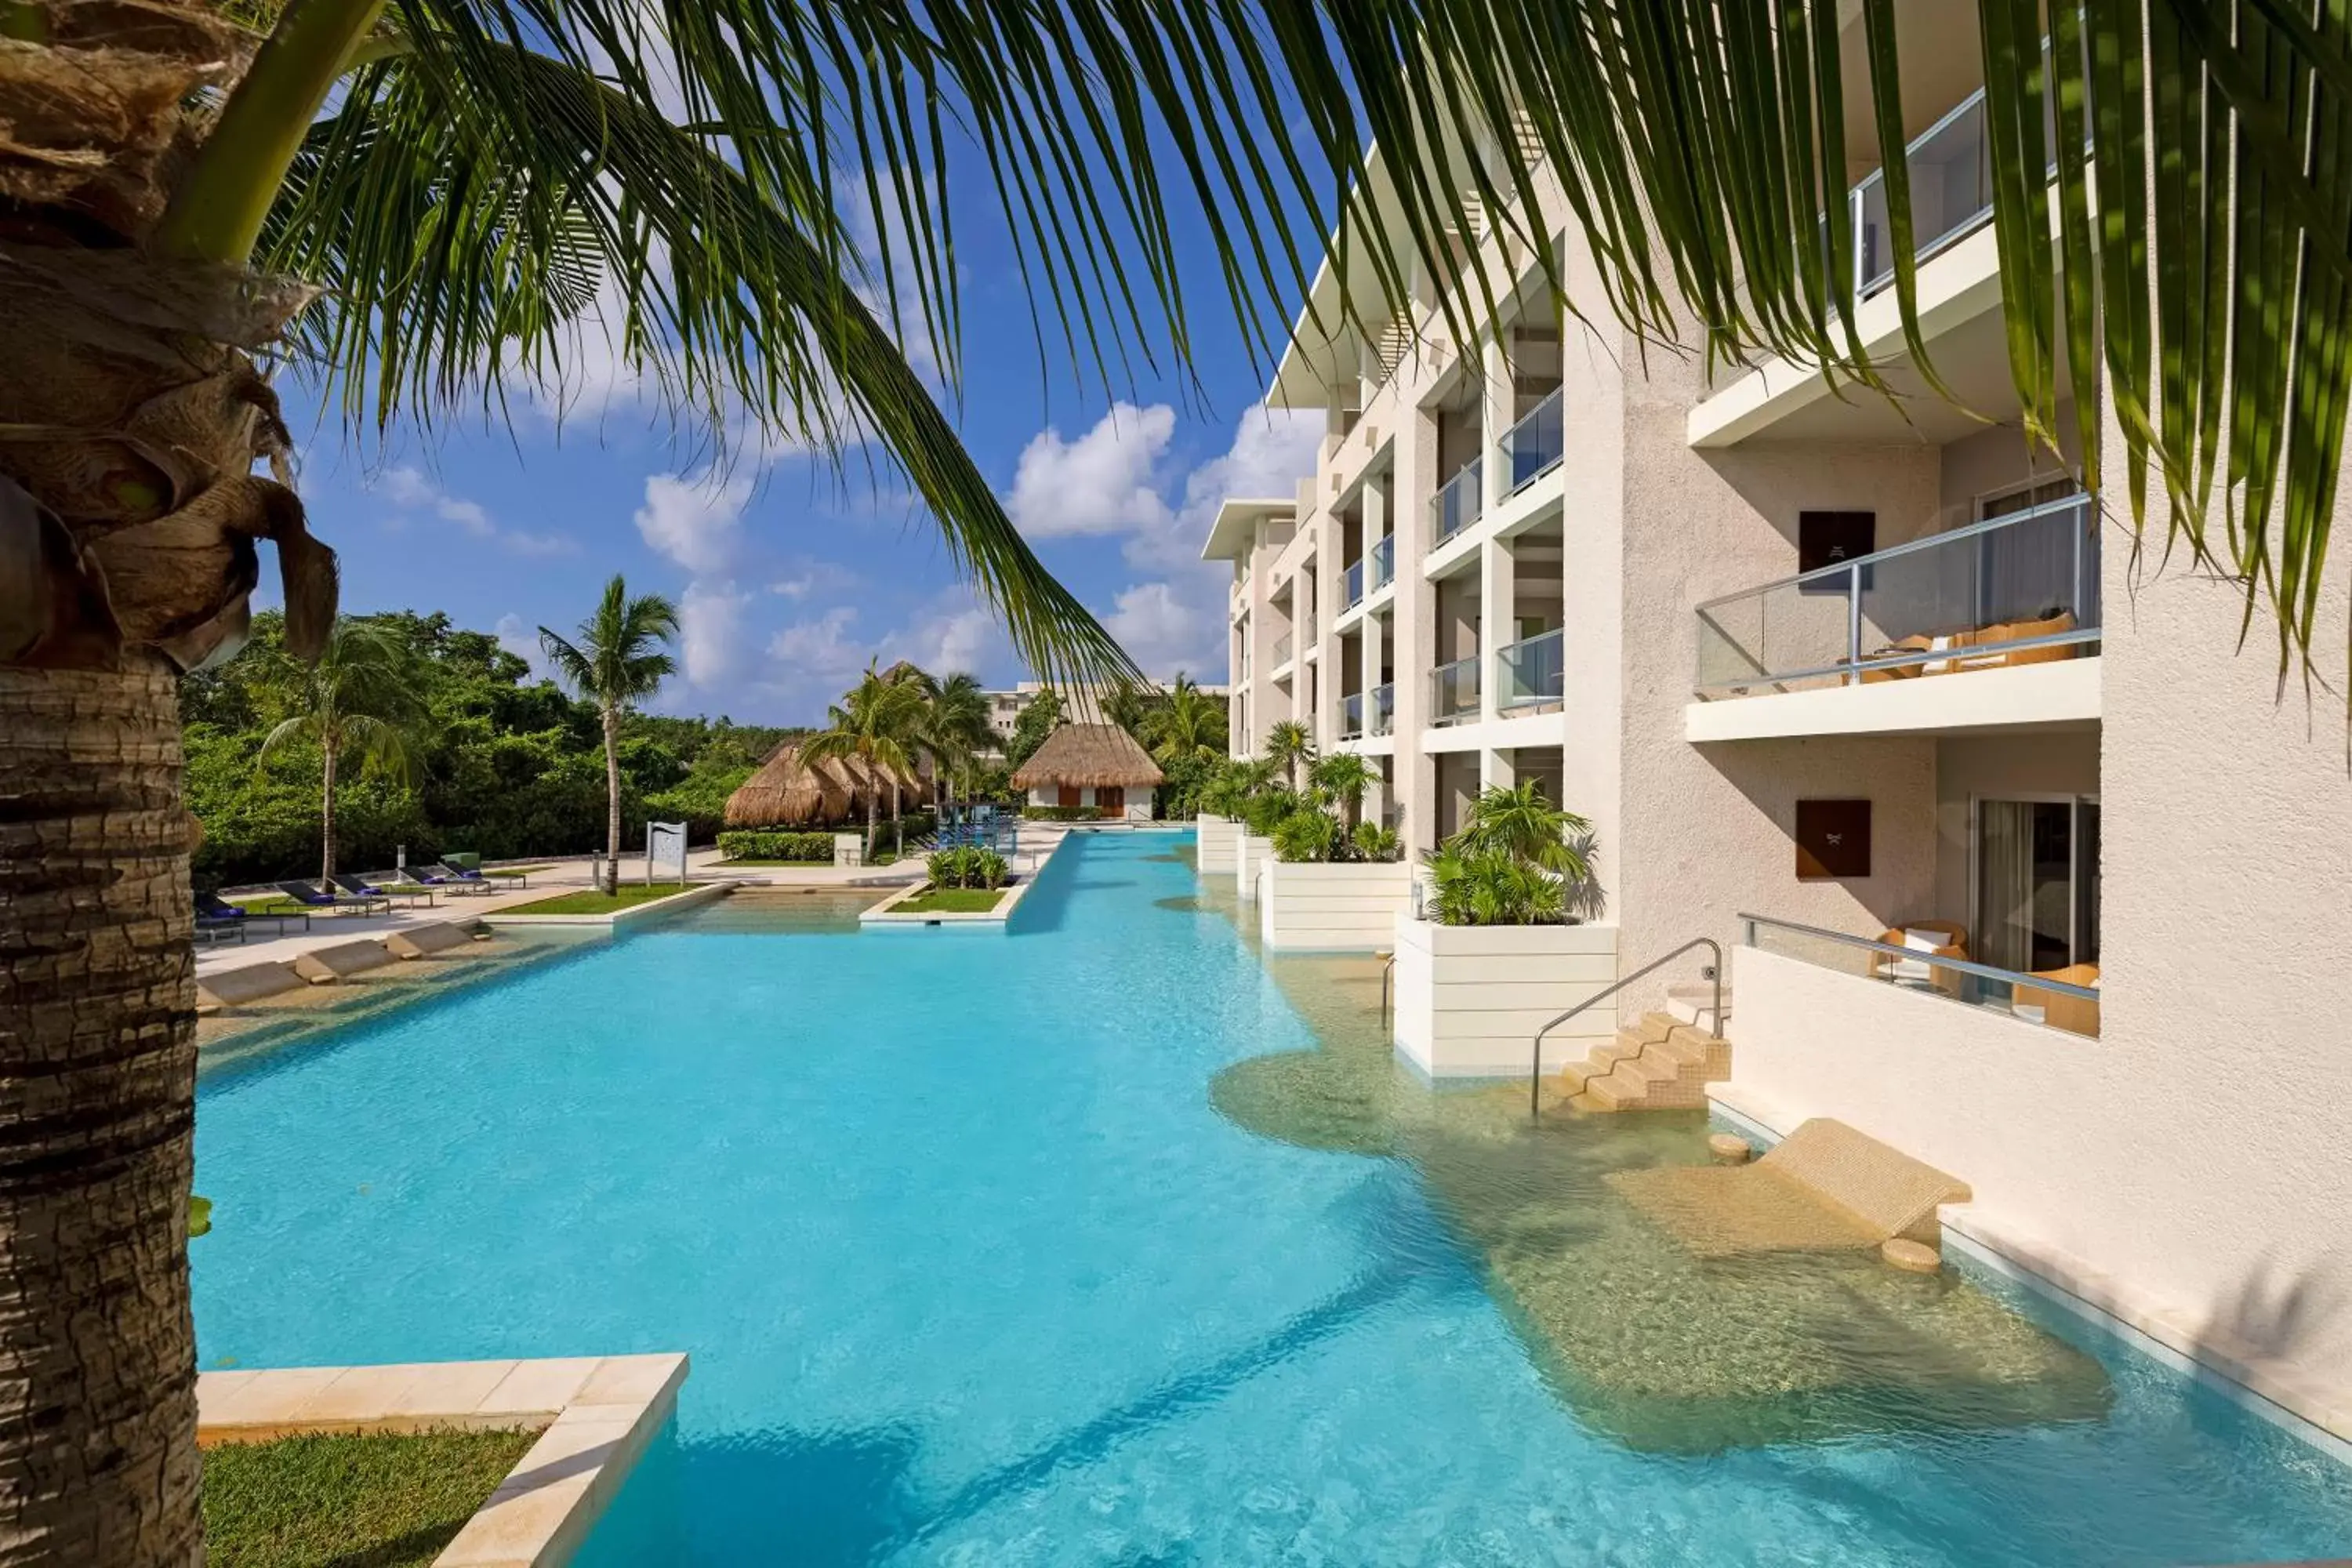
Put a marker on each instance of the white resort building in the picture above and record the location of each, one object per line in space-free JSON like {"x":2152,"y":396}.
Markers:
{"x":1828,"y":683}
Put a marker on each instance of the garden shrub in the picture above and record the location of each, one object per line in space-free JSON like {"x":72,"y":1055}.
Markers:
{"x":1065,"y":813}
{"x":770,"y":845}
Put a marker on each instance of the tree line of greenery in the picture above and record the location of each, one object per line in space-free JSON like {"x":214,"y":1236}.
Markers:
{"x":487,"y":760}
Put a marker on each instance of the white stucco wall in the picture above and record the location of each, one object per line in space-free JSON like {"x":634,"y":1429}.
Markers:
{"x":1332,"y":907}
{"x":1469,"y":999}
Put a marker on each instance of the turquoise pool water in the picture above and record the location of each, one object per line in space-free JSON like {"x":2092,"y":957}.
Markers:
{"x":974,"y":1269}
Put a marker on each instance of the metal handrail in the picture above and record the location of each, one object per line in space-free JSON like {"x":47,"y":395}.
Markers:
{"x":1714,"y":972}
{"x":1962,"y":965}
{"x":1925,"y":541}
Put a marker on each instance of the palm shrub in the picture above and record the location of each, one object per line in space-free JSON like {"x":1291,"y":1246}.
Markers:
{"x":970,"y":867}
{"x":1265,"y":811}
{"x":1343,"y":777}
{"x":1289,"y":747}
{"x":1517,"y":860}
{"x":1374,"y":841}
{"x":755,"y":844}
{"x":1306,"y":836}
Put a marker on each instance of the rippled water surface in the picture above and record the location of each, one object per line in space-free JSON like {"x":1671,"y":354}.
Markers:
{"x":1107,"y":1243}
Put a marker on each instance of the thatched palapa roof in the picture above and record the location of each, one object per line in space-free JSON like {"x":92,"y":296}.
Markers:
{"x":1089,"y":756}
{"x":787,"y":792}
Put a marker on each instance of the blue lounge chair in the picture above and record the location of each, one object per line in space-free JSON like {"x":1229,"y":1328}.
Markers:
{"x":211,"y":907}
{"x":360,"y":889}
{"x":311,"y":898}
{"x":217,"y":928}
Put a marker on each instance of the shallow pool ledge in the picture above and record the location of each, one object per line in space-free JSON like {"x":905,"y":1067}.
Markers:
{"x":597,"y":1414}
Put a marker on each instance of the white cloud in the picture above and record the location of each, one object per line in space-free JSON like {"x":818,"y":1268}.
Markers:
{"x":806,"y":577}
{"x":695,"y":522}
{"x":410,"y":488}
{"x":710,"y":631}
{"x":818,"y":649}
{"x":520,"y":639}
{"x":1164,"y":630}
{"x":1103,"y":482}
{"x":953,"y":631}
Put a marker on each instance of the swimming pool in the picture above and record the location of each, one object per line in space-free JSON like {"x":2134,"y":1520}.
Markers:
{"x":1108,"y":1243}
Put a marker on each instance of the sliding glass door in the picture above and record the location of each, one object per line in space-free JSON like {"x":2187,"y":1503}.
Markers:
{"x":2037,"y":883}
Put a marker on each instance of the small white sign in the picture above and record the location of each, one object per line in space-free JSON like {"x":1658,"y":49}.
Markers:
{"x":664,"y":851}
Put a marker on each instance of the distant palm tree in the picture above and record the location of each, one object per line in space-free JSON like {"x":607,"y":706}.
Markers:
{"x":360,"y":696}
{"x":1187,"y":723}
{"x":1344,"y":776}
{"x":954,"y":727}
{"x":1287,"y":746}
{"x":879,"y":722}
{"x":618,"y":661}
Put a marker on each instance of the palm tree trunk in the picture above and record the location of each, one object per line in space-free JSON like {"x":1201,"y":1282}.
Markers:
{"x":612,"y":799}
{"x":98,"y":1063}
{"x":873,"y":823}
{"x":327,"y":813}
{"x":897,"y":826}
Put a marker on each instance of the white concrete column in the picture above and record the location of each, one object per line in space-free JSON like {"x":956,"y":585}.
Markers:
{"x":1495,"y":770}
{"x":1415,"y":628}
{"x":1497,"y":604}
{"x":1370,"y":663}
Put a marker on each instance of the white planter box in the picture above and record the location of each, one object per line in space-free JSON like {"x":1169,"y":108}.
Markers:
{"x":1250,"y":857}
{"x":1332,"y":908}
{"x":849,"y":849}
{"x":1214,"y":856}
{"x":1469,"y":999}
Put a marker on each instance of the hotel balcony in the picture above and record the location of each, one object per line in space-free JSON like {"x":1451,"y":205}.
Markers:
{"x":1351,"y":716}
{"x":1383,"y":709}
{"x":1533,"y":448}
{"x":1951,"y":175}
{"x":1457,"y":503}
{"x":1454,"y":692}
{"x":1990,"y":628}
{"x":1530,"y":675}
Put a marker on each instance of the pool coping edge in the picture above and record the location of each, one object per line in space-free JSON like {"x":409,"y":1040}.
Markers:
{"x":594,"y":1416}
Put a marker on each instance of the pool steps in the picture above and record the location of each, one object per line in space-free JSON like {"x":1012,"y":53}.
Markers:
{"x":1658,"y":1064}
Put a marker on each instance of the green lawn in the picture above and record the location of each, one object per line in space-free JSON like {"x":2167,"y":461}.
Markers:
{"x":319,"y":1501}
{"x":516,"y":870}
{"x":729,"y":865}
{"x":271,"y":904}
{"x":593,"y":903}
{"x":950,"y":901}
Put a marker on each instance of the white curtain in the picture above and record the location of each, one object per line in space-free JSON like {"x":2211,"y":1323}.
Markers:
{"x":2005,"y":884}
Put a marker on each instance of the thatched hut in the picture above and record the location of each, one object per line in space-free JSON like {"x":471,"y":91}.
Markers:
{"x":1098,"y":765}
{"x":789,"y":793}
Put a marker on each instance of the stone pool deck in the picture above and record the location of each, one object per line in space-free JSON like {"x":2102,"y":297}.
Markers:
{"x":595,"y":1414}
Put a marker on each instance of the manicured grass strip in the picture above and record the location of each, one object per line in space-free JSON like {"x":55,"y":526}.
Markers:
{"x":271,"y":904}
{"x":950,"y":901}
{"x":592,"y":903}
{"x":516,"y":870}
{"x":725,"y":864}
{"x":314,"y":1501}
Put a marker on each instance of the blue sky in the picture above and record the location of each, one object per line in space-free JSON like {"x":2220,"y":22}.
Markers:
{"x":789,"y":576}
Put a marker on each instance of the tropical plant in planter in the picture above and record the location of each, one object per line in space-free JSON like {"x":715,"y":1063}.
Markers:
{"x":1374,"y":841}
{"x":1289,"y":747}
{"x":1268,"y":808}
{"x":1343,"y":778}
{"x":1307,"y":836}
{"x":1229,"y":792}
{"x":1517,"y":860}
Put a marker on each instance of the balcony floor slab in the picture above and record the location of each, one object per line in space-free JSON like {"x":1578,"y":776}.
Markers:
{"x":2060,"y":695}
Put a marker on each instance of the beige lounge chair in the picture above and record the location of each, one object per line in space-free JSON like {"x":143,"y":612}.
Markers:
{"x":1922,"y":937}
{"x":2076,"y":1015}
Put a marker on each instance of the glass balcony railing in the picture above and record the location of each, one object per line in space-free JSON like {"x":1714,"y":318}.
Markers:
{"x":1380,"y":564}
{"x":1532,"y":447}
{"x":1383,"y":704}
{"x":1351,"y":716}
{"x":1282,"y":650}
{"x":1352,"y":587}
{"x":1950,"y":166}
{"x":1457,"y":503}
{"x":1453,"y":691}
{"x":2021,"y":589}
{"x":1529,"y":674}
{"x":2066,"y":998}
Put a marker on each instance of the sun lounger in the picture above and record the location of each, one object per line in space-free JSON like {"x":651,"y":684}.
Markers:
{"x":360,"y":889}
{"x":452,"y":879}
{"x":212,"y":907}
{"x":217,"y":928}
{"x":311,"y":898}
